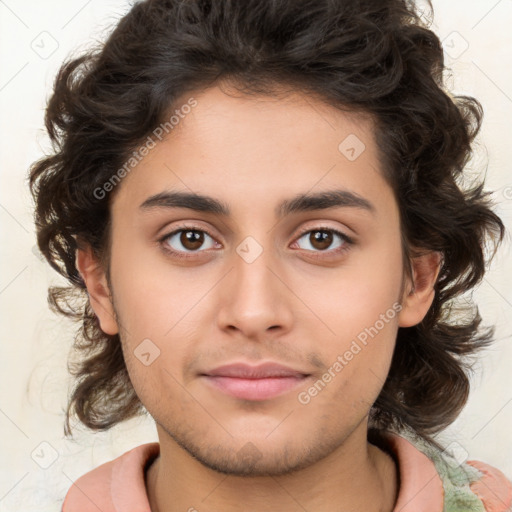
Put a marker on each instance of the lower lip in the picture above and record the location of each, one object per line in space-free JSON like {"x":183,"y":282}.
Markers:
{"x":254,"y":389}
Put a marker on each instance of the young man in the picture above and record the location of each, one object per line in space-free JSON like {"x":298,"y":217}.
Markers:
{"x":259,"y":205}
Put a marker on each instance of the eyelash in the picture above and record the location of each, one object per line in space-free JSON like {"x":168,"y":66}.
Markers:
{"x":348,"y":241}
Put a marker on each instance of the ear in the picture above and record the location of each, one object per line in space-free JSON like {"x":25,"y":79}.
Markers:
{"x":95,"y":280}
{"x":419,"y":295}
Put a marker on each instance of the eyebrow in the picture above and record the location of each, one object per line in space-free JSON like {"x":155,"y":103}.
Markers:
{"x":299,"y":203}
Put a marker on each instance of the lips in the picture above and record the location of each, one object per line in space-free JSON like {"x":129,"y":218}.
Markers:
{"x":262,"y":382}
{"x":262,"y":371}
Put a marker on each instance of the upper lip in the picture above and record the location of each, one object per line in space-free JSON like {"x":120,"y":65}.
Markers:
{"x":261,"y":371}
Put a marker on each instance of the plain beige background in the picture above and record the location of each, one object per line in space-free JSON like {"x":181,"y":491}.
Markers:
{"x":38,"y":464}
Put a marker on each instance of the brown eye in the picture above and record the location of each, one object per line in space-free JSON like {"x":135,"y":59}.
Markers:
{"x":186,"y":240}
{"x":322,"y":240}
{"x":191,"y":240}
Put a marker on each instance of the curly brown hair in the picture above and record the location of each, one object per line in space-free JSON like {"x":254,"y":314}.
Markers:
{"x":372,"y":56}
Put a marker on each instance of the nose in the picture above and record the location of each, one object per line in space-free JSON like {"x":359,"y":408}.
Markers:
{"x":255,"y":299}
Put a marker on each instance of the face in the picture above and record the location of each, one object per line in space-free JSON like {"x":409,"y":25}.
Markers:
{"x":313,"y":286}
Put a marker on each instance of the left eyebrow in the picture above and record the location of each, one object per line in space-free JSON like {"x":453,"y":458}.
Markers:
{"x":299,"y":203}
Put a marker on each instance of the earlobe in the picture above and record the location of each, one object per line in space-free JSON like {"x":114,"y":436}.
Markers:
{"x":419,"y":295}
{"x":95,"y":280}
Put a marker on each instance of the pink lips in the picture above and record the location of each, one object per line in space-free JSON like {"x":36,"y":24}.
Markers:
{"x":260,"y":382}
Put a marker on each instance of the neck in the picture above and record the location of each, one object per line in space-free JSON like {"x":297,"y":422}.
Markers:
{"x":356,"y":476}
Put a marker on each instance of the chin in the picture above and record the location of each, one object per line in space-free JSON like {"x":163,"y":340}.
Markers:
{"x":251,"y":462}
{"x":250,"y":457}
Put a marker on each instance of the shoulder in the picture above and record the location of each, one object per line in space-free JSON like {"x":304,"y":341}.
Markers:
{"x":468,"y":485}
{"x":492,"y":487}
{"x":116,"y":485}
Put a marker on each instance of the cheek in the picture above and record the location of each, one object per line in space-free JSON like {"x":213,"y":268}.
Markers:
{"x":347,"y":300}
{"x":156,"y":305}
{"x":358,"y":308}
{"x":151,"y":295}
{"x":356,"y":368}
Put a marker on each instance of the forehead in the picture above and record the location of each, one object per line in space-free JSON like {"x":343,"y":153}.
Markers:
{"x":255,"y":148}
{"x":253,"y":122}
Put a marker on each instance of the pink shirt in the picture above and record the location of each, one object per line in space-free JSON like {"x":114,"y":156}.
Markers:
{"x":119,"y":485}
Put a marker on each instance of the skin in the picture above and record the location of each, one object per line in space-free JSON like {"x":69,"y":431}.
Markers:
{"x":218,"y":452}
